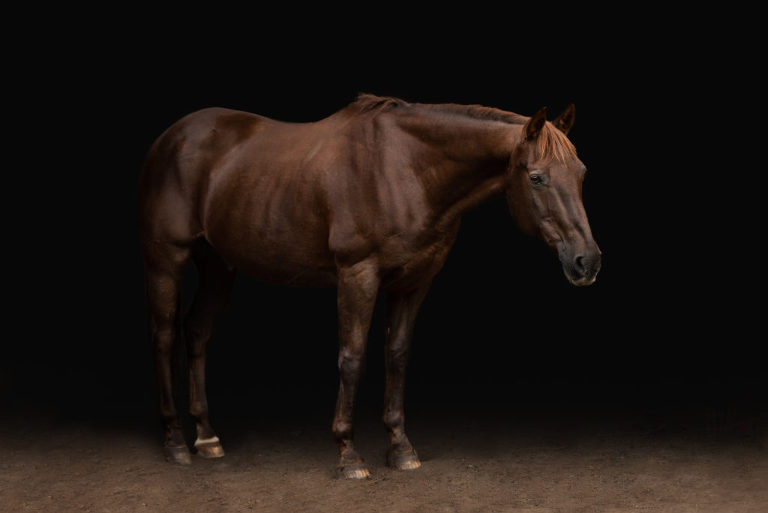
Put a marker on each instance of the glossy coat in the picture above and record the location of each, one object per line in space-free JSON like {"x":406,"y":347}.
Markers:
{"x":367,"y":200}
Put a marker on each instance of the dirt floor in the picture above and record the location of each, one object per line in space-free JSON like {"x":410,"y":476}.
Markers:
{"x":478,"y":463}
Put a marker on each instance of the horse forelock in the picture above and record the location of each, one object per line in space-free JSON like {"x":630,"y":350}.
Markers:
{"x":554,"y":144}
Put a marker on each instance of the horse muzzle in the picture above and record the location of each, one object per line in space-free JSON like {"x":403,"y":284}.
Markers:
{"x":580,"y":267}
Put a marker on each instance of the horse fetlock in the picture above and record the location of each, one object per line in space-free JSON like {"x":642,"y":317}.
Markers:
{"x":174,"y":435}
{"x":177,"y":454}
{"x":393,"y":419}
{"x":199,"y":410}
{"x":342,"y":432}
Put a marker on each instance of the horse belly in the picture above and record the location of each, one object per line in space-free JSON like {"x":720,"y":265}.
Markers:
{"x":284,"y":263}
{"x":274,"y":269}
{"x":285,"y":245}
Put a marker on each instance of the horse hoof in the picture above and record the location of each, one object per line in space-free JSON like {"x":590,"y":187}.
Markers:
{"x":403,"y":460}
{"x":210,"y":450}
{"x":353,"y":471}
{"x":178,"y":455}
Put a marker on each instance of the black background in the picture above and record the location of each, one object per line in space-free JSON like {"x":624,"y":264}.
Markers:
{"x":664,"y":122}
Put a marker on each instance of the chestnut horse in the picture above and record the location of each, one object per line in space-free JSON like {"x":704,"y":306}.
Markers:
{"x":366,"y":200}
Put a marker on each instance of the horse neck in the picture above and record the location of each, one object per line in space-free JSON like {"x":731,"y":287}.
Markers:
{"x":462,"y":162}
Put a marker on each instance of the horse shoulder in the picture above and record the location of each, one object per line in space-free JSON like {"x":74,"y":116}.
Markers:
{"x":376,"y":201}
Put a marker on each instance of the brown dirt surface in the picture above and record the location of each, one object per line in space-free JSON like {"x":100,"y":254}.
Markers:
{"x":480,"y":464}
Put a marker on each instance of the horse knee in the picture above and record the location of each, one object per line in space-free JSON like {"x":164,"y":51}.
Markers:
{"x":163,"y":340}
{"x":197,"y":340}
{"x":351,"y":363}
{"x":397,"y":356}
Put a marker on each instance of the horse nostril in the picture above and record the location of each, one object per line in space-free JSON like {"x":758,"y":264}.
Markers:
{"x":579,"y":264}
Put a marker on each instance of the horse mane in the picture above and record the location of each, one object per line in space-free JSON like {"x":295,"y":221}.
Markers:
{"x":551,"y":142}
{"x":480,"y":112}
{"x":368,"y":102}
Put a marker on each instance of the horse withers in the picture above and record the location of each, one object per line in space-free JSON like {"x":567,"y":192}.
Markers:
{"x":368,"y":200}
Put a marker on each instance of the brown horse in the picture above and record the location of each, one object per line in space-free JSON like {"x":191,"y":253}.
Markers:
{"x":367,"y":200}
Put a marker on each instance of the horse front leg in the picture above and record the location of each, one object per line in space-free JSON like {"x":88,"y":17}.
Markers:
{"x":358,"y":286}
{"x":401,"y":314}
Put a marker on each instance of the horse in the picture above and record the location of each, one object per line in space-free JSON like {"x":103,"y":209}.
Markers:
{"x":368,"y":200}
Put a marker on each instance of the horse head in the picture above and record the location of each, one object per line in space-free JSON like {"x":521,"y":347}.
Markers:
{"x":544,"y":194}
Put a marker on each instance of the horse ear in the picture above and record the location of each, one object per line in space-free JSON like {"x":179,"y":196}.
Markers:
{"x":534,"y":125}
{"x":565,"y":120}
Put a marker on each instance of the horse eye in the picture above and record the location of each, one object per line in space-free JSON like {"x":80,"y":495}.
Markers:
{"x":537,"y":179}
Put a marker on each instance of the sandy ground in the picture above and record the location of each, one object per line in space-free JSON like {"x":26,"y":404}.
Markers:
{"x":471,"y":464}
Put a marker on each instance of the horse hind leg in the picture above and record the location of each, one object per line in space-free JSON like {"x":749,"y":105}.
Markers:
{"x":164,"y":266}
{"x":216,"y":280}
